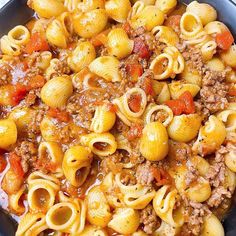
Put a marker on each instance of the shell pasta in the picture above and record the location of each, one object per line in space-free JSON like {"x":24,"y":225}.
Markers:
{"x":118,"y":118}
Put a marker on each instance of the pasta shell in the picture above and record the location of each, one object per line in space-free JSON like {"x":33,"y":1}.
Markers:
{"x":48,"y":8}
{"x":162,"y":66}
{"x":178,"y":88}
{"x":19,"y":35}
{"x":212,"y":226}
{"x":184,"y":128}
{"x":165,"y":114}
{"x":98,"y":212}
{"x":210,"y":137}
{"x":118,"y":10}
{"x":101,"y":144}
{"x":81,"y":56}
{"x":56,"y":35}
{"x":54,"y":219}
{"x":166,"y":6}
{"x":149,"y":17}
{"x":90,"y":23}
{"x":125,"y":221}
{"x":166,"y":35}
{"x":56,"y":91}
{"x":190,"y":25}
{"x":8,"y":47}
{"x":31,"y":224}
{"x":106,"y":67}
{"x":8,"y":133}
{"x":103,"y":119}
{"x":200,"y":191}
{"x":118,"y":43}
{"x":89,"y":5}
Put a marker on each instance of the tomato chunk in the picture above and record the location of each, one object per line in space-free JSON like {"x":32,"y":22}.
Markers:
{"x":127,"y":27}
{"x":45,"y":164}
{"x":173,"y":22}
{"x":111,"y":107}
{"x":15,"y":163}
{"x":37,"y":43}
{"x":232,"y":91}
{"x":100,"y":39}
{"x":187,"y":98}
{"x":161,"y":176}
{"x":135,"y":131}
{"x":177,"y":106}
{"x":224,"y":40}
{"x":141,"y":49}
{"x":3,"y":164}
{"x":135,"y":102}
{"x":146,"y":85}
{"x":184,"y":104}
{"x":18,"y":94}
{"x":37,"y":81}
{"x":62,"y":116}
{"x":134,"y":70}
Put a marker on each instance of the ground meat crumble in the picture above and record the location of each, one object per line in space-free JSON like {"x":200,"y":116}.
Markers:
{"x":149,"y":219}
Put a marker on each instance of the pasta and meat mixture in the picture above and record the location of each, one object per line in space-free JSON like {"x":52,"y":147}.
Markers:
{"x":118,"y":118}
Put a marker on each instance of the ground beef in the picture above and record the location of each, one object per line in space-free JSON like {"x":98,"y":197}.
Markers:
{"x":193,"y":58}
{"x":128,"y":177}
{"x":5,"y":73}
{"x":149,"y":219}
{"x":33,"y":128}
{"x":202,"y":110}
{"x":144,"y":174}
{"x":214,"y":90}
{"x":192,"y":173}
{"x":179,"y":151}
{"x":132,"y":59}
{"x":216,"y":173}
{"x":218,"y":195}
{"x":82,"y":106}
{"x":137,"y":32}
{"x":194,"y":214}
{"x":28,"y":153}
{"x":111,"y":164}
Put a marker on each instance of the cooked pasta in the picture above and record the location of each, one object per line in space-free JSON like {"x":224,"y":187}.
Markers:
{"x":118,"y":117}
{"x":76,"y":164}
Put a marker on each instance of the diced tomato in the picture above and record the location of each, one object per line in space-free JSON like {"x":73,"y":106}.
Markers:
{"x":232,"y":91}
{"x":3,"y":164}
{"x":147,"y":86}
{"x":37,"y":81}
{"x":71,"y":45}
{"x":134,"y":70}
{"x":127,"y":28}
{"x":173,"y":22}
{"x":135,"y":102}
{"x":45,"y":164}
{"x":62,"y":116}
{"x":141,"y":49}
{"x":37,"y":43}
{"x":111,"y":107}
{"x":19,"y":94}
{"x":135,"y":131}
{"x":15,"y":163}
{"x":184,"y":104}
{"x":100,"y":39}
{"x":224,"y":40}
{"x":161,"y":176}
{"x":187,"y":98}
{"x":177,"y":106}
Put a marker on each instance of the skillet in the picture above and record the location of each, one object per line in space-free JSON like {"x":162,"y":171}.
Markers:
{"x":16,"y":12}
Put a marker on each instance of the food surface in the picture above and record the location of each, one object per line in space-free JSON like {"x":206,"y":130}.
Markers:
{"x":118,"y":117}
